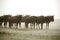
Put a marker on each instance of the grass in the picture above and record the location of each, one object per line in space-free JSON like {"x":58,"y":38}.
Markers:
{"x":28,"y":34}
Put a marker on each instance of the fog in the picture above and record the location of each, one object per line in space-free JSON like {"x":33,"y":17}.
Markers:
{"x":30,"y":7}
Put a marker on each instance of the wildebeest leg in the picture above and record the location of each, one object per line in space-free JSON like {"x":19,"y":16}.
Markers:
{"x":41,"y":25}
{"x":34,"y":25}
{"x":26,"y":25}
{"x":7,"y":24}
{"x":47,"y":25}
{"x":20,"y":24}
{"x":0,"y":24}
{"x":3,"y":24}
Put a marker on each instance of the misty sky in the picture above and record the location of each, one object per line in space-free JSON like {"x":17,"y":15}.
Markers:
{"x":30,"y":7}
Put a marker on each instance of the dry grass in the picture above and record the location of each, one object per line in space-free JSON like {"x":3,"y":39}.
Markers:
{"x":28,"y":34}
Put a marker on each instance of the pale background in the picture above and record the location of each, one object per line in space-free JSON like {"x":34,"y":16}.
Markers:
{"x":30,"y":7}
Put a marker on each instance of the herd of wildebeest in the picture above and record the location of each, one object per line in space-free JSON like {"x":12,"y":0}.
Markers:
{"x":18,"y":19}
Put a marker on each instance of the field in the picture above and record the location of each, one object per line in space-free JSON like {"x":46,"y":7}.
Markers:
{"x":29,"y":34}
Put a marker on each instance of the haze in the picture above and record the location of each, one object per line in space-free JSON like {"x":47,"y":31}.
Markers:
{"x":30,"y":7}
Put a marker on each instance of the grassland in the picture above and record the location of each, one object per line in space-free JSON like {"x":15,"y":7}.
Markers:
{"x":28,"y":34}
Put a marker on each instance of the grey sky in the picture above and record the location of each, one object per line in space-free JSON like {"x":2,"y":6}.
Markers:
{"x":30,"y":7}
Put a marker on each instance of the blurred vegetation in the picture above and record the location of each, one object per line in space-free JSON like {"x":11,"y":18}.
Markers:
{"x":28,"y":34}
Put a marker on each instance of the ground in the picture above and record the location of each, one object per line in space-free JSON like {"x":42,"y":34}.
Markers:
{"x":29,"y":34}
